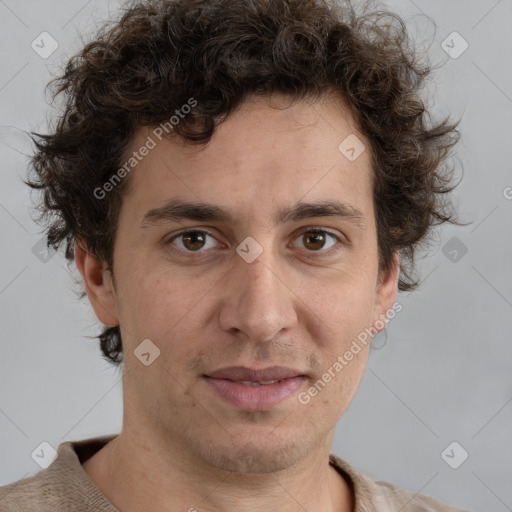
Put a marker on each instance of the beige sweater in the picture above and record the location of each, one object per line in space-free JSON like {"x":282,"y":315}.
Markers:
{"x":65,"y":487}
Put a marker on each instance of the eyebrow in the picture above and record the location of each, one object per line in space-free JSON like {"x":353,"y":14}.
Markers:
{"x":176,"y":210}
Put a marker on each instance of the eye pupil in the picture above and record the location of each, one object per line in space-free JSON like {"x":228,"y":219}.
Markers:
{"x":193,"y":237}
{"x":317,"y":239}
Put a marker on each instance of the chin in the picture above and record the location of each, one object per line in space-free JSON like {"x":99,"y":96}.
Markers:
{"x":257,"y":456}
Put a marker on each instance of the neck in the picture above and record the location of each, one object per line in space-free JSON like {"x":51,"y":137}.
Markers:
{"x":130,"y":468}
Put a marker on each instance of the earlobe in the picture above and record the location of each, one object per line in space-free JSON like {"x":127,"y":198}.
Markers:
{"x":98,"y":284}
{"x":386,"y":294}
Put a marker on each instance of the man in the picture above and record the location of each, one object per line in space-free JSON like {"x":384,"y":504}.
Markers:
{"x":242,"y":186}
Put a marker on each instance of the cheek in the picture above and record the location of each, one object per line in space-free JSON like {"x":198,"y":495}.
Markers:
{"x":342,"y":344}
{"x":170,"y":310}
{"x":344,"y":309}
{"x":152,"y":304}
{"x":328,"y":397}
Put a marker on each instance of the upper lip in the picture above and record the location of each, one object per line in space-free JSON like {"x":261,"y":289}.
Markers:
{"x":244,"y":374}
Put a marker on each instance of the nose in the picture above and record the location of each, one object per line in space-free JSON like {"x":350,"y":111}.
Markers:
{"x":259,"y":303}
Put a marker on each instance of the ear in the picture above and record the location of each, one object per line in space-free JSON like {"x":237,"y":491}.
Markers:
{"x":386,"y":294}
{"x":98,"y":284}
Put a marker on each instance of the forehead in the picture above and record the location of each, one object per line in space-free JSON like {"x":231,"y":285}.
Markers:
{"x":269,"y":149}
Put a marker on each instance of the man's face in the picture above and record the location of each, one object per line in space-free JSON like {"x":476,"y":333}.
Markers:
{"x":300,"y":304}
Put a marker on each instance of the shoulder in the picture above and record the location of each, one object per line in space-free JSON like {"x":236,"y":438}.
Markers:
{"x":394,"y":496}
{"x":61,"y":487}
{"x":27,"y":494}
{"x":385,"y":497}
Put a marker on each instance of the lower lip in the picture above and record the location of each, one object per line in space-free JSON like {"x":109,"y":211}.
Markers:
{"x":255,"y":398}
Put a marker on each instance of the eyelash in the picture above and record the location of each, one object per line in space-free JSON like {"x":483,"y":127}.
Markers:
{"x":198,"y":254}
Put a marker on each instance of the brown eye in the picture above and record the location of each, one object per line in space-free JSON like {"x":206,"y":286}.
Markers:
{"x":314,"y":240}
{"x":192,"y":241}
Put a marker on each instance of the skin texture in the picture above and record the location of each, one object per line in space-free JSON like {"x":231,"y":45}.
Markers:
{"x":182,"y":445}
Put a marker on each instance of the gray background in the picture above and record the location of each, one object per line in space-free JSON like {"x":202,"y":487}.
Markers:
{"x":442,"y":375}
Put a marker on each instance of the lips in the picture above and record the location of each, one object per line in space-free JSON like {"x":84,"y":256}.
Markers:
{"x":243,"y":374}
{"x":255,"y":390}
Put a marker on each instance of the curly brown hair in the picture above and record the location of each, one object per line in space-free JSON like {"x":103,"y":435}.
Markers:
{"x":143,"y":67}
